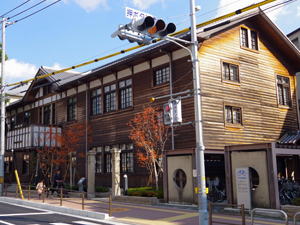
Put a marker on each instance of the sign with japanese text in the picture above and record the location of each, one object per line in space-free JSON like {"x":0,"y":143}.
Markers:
{"x":133,"y":13}
{"x":243,"y":188}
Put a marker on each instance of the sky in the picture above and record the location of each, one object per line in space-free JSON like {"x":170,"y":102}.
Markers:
{"x":74,"y":31}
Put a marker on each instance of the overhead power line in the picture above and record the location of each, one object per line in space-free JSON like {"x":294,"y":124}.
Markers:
{"x":15,"y":8}
{"x":26,"y":10}
{"x":140,"y":46}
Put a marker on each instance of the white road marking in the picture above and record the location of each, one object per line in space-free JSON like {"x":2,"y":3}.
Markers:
{"x":25,"y":214}
{"x":59,"y":223}
{"x":85,"y":223}
{"x":6,"y":223}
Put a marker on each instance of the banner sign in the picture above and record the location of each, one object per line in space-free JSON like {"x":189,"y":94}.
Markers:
{"x":133,"y":13}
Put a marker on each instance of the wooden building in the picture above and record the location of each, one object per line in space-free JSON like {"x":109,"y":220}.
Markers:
{"x":248,"y":91}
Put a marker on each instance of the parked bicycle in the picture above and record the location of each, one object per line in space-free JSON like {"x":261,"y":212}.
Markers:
{"x":215,"y":195}
{"x":288,"y":190}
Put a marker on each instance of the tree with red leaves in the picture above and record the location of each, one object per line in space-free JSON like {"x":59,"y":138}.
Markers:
{"x":149,"y":133}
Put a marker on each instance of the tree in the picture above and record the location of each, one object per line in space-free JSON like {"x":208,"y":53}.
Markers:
{"x":149,"y":133}
{"x":6,"y":58}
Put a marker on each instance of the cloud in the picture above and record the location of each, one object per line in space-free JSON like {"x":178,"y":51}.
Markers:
{"x":228,"y":6}
{"x":142,"y":4}
{"x":18,"y":71}
{"x":89,"y":5}
{"x":57,"y":66}
{"x":298,"y":14}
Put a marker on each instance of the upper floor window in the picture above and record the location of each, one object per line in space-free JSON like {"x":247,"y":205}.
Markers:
{"x":283,"y":89}
{"x":13,"y":122}
{"x":71,"y":108}
{"x":230,"y":72}
{"x":232,"y":115}
{"x":96,"y":101}
{"x":161,"y":76}
{"x":246,"y":35}
{"x":47,"y":114}
{"x":41,"y":115}
{"x":27,"y":117}
{"x":47,"y":89}
{"x":125,"y":91}
{"x":110,"y":97}
{"x":53,"y":113}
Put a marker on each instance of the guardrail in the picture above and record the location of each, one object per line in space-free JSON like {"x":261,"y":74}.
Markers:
{"x":295,"y":217}
{"x":268,"y":210}
{"x":60,"y":194}
{"x":230,"y":205}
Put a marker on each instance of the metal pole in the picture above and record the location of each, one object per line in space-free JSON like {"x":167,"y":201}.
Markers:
{"x":202,"y":201}
{"x":5,"y":190}
{"x":125,"y":184}
{"x":243,"y":215}
{"x":110,"y":207}
{"x":83,"y":200}
{"x":2,"y":110}
{"x":210,"y":214}
{"x":61,"y":192}
{"x":29,"y":192}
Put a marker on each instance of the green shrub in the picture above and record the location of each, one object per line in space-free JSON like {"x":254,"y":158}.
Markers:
{"x":296,"y":201}
{"x":146,"y":192}
{"x":101,"y":189}
{"x":76,"y":188}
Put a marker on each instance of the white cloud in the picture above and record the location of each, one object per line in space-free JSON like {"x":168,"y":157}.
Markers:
{"x":18,"y":71}
{"x":298,"y":14}
{"x":89,"y":5}
{"x":145,"y":4}
{"x":228,"y":6}
{"x":57,"y":66}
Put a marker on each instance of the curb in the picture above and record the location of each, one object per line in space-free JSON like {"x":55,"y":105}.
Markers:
{"x":60,"y":209}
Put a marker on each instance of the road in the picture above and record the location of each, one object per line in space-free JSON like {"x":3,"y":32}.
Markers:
{"x":18,"y":215}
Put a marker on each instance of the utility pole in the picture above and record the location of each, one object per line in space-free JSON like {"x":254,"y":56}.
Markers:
{"x":202,"y":199}
{"x":2,"y":146}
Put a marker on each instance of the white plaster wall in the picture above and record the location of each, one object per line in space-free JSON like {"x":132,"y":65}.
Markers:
{"x":108,"y":79}
{"x":95,"y":83}
{"x":141,"y":67}
{"x":160,"y":60}
{"x":124,"y":73}
{"x":82,"y":88}
{"x":71,"y":92}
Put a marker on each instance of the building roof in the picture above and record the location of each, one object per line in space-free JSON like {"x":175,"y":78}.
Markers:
{"x":293,"y":32}
{"x":18,"y":90}
{"x":290,"y":138}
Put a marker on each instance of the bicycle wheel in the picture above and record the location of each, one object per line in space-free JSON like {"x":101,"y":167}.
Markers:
{"x":282,"y":199}
{"x":220,"y":196}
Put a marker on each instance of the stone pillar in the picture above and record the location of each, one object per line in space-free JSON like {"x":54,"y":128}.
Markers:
{"x":115,"y":165}
{"x":91,"y":174}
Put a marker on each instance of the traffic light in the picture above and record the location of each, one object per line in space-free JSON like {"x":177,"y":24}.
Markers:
{"x":168,"y":113}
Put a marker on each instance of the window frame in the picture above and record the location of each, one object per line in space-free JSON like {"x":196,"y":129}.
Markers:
{"x":154,"y":84}
{"x":127,"y":162}
{"x":27,"y":117}
{"x":26,"y":164}
{"x":249,"y":45}
{"x":284,"y":85}
{"x":235,"y":82}
{"x":71,"y":106}
{"x":125,"y":88}
{"x":232,"y":124}
{"x":96,"y":97}
{"x":109,"y":93}
{"x":47,"y":114}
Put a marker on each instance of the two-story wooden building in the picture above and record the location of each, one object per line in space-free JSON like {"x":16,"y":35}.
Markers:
{"x":248,"y":91}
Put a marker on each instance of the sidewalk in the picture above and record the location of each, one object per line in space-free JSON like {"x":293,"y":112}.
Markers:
{"x":161,"y":214}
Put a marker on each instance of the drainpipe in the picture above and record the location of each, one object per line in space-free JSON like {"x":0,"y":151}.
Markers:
{"x":171,"y":89}
{"x":86,"y":131}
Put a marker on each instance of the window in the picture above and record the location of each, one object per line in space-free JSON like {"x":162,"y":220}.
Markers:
{"x":125,"y":91}
{"x":71,"y":108}
{"x":246,"y":35}
{"x":26,"y":164}
{"x":232,"y":115}
{"x":27,"y":117}
{"x":98,"y":164}
{"x":41,"y":115}
{"x":230,"y":72}
{"x":96,"y":101}
{"x":53,"y":113}
{"x":47,"y":114}
{"x":7,"y":163}
{"x":110,"y":98}
{"x":47,"y":89}
{"x":107,"y":163}
{"x":127,"y":158}
{"x":161,"y":76}
{"x":283,"y":88}
{"x":13,"y":122}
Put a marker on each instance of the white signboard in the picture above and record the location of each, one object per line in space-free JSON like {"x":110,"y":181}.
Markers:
{"x":177,"y":111}
{"x":243,"y":188}
{"x":133,"y":13}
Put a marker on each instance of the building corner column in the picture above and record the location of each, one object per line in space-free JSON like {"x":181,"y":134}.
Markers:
{"x":91,"y":174}
{"x":115,"y":163}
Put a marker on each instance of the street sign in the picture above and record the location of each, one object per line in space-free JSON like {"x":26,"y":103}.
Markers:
{"x":133,"y":13}
{"x":177,"y":115}
{"x":243,"y":188}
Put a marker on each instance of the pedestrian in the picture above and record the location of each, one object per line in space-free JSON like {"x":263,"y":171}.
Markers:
{"x":47,"y":184}
{"x":39,"y":188}
{"x":56,"y":180}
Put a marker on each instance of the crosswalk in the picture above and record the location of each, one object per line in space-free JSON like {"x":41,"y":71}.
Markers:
{"x":72,"y":223}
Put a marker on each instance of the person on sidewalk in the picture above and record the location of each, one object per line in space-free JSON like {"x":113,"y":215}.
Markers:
{"x":47,"y":184}
{"x":56,"y":180}
{"x":39,"y":188}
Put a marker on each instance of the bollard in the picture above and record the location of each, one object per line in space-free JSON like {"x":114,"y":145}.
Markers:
{"x":16,"y":191}
{"x":5,"y":190}
{"x":210,"y":213}
{"x":61,"y":191}
{"x":110,"y":207}
{"x":29,"y":193}
{"x":125,"y":184}
{"x":43,"y":195}
{"x":83,"y":200}
{"x":243,"y":215}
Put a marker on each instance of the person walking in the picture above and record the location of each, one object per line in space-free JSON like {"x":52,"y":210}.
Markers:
{"x":39,"y":188}
{"x":47,"y":184}
{"x":56,"y":180}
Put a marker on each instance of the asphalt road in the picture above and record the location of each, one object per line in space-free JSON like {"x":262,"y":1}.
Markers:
{"x":17,"y":215}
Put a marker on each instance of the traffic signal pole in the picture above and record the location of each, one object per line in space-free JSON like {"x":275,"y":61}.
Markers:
{"x":202,"y":199}
{"x":2,"y":117}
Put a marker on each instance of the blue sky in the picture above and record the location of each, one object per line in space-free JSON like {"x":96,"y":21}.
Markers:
{"x":74,"y":31}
